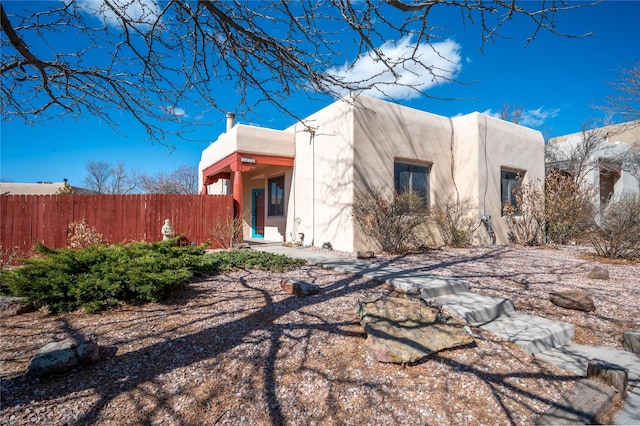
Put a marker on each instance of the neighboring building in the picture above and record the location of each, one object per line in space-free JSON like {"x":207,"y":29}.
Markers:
{"x":302,"y":180}
{"x":612,"y":164}
{"x":39,"y":188}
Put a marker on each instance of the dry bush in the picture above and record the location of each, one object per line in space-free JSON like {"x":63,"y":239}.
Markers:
{"x":617,"y":232}
{"x":569,"y":208}
{"x":9,"y":257}
{"x":527,"y":221}
{"x":227,"y":231}
{"x":82,"y":235}
{"x":392,"y":221}
{"x":455,"y":221}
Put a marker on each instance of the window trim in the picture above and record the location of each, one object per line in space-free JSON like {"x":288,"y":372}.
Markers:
{"x":414,"y":163}
{"x":509,"y":200}
{"x":275,"y":210}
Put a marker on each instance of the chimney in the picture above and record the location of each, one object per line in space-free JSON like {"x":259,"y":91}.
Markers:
{"x":230,"y":120}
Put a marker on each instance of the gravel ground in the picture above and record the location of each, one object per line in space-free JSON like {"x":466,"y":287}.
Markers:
{"x":235,"y":349}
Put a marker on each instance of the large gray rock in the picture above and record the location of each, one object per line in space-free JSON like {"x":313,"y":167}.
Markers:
{"x":573,"y":299}
{"x":405,"y":331}
{"x":59,"y":357}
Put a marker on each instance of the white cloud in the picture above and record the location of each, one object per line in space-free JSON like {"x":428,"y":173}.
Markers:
{"x":138,"y":12}
{"x":530,"y":117}
{"x":367,"y":72}
{"x":537,"y":117}
{"x":175,"y":111}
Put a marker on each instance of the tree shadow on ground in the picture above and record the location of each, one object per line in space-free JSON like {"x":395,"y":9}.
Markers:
{"x":261,"y":321}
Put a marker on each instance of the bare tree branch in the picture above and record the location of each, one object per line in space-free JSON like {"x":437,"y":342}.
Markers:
{"x":153,"y":60}
{"x":625,"y":100}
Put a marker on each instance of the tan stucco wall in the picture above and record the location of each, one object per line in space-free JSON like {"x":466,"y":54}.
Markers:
{"x":349,"y":147}
{"x":385,"y":132}
{"x":498,"y":145}
{"x":323,"y":178}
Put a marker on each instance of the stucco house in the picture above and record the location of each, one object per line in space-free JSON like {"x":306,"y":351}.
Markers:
{"x":613,"y":158}
{"x":298,"y":184}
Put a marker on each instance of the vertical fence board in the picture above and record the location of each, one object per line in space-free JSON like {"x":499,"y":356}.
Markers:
{"x":139,"y":217}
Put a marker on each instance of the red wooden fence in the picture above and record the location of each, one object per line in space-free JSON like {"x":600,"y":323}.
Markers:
{"x":119,"y":218}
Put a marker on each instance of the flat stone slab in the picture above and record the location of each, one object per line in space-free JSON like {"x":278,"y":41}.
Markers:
{"x":533,"y":334}
{"x":582,"y":405}
{"x":405,"y":331}
{"x":476,"y":309}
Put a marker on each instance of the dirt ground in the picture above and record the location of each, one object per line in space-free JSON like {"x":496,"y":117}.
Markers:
{"x":235,"y":349}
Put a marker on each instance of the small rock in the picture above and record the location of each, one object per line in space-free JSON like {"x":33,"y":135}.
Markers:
{"x":241,"y":246}
{"x":573,"y":299}
{"x":599,"y":273}
{"x":365,"y":254}
{"x":299,"y":288}
{"x":10,"y":306}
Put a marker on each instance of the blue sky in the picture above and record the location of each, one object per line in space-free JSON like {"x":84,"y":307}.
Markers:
{"x":556,"y":80}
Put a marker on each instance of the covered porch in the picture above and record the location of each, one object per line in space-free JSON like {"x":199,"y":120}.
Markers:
{"x":256,"y":167}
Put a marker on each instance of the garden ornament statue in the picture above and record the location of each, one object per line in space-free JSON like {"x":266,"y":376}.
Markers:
{"x":167,"y":230}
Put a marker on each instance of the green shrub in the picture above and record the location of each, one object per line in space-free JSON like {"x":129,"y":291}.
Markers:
{"x":223,"y":261}
{"x":99,"y":277}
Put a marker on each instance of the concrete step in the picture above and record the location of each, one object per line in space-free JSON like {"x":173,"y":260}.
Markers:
{"x":533,"y":334}
{"x":476,"y":309}
{"x":428,"y":285}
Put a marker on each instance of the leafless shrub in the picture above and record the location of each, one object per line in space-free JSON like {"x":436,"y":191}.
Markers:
{"x":455,"y":222}
{"x":82,"y":235}
{"x":10,"y":256}
{"x":393,"y":221}
{"x":526,"y":221}
{"x":228,"y":230}
{"x":617,"y":233}
{"x":569,"y":207}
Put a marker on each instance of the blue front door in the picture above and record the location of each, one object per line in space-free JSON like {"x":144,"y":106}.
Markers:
{"x":257,"y":213}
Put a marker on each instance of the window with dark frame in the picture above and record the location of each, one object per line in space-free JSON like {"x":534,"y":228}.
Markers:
{"x":412,"y":177}
{"x":275,"y":188}
{"x":510,"y":182}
